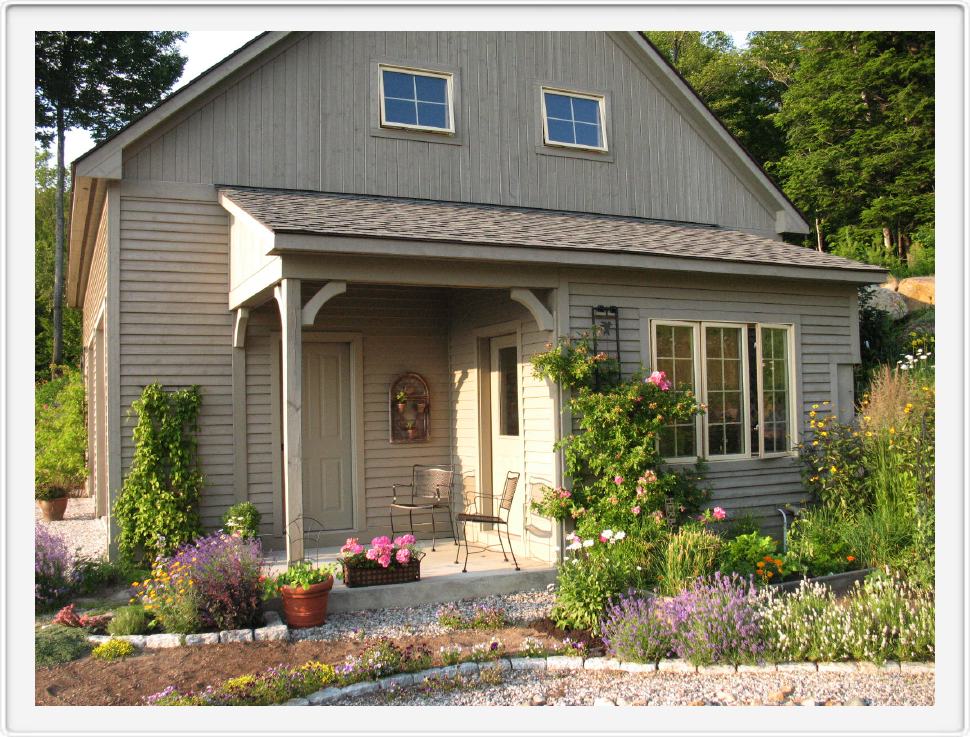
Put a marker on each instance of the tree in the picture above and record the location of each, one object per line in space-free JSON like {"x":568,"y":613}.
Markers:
{"x":98,"y":81}
{"x":858,"y":116}
{"x":45,"y":197}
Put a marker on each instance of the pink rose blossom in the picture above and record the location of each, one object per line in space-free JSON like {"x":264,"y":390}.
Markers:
{"x":641,"y":491}
{"x":618,"y":480}
{"x":403,"y":555}
{"x":719,"y":514}
{"x":635,"y":510}
{"x":659,"y":380}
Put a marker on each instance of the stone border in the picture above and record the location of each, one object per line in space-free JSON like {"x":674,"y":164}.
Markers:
{"x":273,"y":630}
{"x":576,"y":662}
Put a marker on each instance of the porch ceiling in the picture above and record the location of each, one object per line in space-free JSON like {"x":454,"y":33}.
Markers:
{"x":291,"y":216}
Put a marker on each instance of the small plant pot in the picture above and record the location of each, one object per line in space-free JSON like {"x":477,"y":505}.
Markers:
{"x":306,"y":607}
{"x":402,"y":407}
{"x":412,"y":433}
{"x":421,"y":407}
{"x":53,"y":509}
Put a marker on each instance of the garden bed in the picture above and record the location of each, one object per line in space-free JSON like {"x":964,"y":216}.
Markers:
{"x":839,"y":583}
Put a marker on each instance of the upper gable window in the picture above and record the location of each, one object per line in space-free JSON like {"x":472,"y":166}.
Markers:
{"x":416,"y":99}
{"x":573,"y":119}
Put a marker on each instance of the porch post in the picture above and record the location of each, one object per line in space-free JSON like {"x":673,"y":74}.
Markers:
{"x":288,"y":297}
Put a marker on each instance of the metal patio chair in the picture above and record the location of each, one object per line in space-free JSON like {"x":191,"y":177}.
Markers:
{"x":500,"y":520}
{"x":430,"y":490}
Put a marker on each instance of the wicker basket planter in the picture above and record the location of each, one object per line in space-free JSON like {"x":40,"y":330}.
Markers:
{"x":397,"y":573}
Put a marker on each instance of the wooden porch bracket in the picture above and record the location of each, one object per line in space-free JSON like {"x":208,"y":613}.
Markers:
{"x":239,"y":327}
{"x":533,"y":304}
{"x":287,"y":294}
{"x":327,"y":292}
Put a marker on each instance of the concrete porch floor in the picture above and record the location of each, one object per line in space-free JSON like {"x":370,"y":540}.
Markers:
{"x":441,"y":579}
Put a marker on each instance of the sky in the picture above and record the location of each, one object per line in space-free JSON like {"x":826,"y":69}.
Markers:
{"x":205,"y":48}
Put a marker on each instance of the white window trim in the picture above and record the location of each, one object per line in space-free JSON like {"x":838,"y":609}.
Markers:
{"x":700,"y":383}
{"x":698,"y":420}
{"x":792,"y":408}
{"x":600,"y":99}
{"x":449,"y":91}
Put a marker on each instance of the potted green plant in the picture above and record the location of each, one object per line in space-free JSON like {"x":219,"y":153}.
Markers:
{"x":305,"y":590}
{"x":412,"y":430}
{"x":52,"y":501}
{"x":402,"y":401}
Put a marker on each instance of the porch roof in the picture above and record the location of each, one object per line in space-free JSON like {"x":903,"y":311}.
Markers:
{"x":375,"y":217}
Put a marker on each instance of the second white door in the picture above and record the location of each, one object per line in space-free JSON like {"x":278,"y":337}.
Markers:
{"x":506,"y":424}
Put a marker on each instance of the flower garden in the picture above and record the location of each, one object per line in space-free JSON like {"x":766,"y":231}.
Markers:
{"x":653,"y":570}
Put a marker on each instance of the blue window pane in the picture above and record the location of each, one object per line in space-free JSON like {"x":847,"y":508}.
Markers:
{"x":587,"y":135}
{"x":586,"y":111}
{"x":431,"y":89}
{"x":433,"y":114}
{"x":397,"y":84}
{"x":399,"y":111}
{"x":557,"y":106}
{"x":560,"y":131}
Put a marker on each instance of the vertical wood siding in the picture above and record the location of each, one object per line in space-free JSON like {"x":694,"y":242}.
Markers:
{"x":175,"y":327}
{"x":822,"y":316}
{"x":303,"y":119}
{"x":97,"y":280}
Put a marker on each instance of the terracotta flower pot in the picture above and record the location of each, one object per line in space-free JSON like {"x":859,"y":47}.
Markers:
{"x":53,"y":509}
{"x":306,"y":607}
{"x":402,"y":407}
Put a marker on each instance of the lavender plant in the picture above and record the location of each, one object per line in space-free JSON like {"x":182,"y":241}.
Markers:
{"x":53,"y":578}
{"x":636,"y":629}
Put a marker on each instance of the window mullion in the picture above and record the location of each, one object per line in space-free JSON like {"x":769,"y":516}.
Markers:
{"x":759,"y":347}
{"x":700,"y":381}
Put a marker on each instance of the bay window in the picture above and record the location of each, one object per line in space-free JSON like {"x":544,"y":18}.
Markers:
{"x":742,"y":372}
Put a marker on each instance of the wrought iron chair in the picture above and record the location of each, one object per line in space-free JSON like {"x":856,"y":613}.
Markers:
{"x":500,"y":520}
{"x":430,"y":491}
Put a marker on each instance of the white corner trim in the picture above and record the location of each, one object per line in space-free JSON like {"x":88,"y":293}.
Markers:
{"x":239,"y":328}
{"x":327,"y":292}
{"x":528,"y":299}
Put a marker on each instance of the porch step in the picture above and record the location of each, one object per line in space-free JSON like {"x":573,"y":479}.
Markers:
{"x":439,"y":589}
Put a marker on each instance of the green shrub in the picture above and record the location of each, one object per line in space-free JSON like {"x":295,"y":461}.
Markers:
{"x":129,"y":620}
{"x":242,"y":518}
{"x":816,"y":543}
{"x":157,"y":510}
{"x":743,"y":553}
{"x":95,"y":574}
{"x":113,"y":650}
{"x":691,"y":552}
{"x":57,"y":644}
{"x":60,"y":433}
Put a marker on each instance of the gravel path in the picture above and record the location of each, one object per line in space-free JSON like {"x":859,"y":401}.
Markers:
{"x":421,"y":620}
{"x":591,"y":688}
{"x":80,"y":528}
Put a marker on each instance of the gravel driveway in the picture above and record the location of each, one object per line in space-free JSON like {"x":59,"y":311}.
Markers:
{"x":80,"y":528}
{"x":592,"y":688}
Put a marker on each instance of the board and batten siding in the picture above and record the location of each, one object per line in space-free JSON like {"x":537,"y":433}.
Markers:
{"x":474,"y":313}
{"x":305,"y":117}
{"x":175,"y":328}
{"x":402,"y":329}
{"x":822,"y":317}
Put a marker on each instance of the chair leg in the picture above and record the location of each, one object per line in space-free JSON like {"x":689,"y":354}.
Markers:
{"x":498,"y":529}
{"x":411,"y":521}
{"x":454,"y":529}
{"x":458,"y":547}
{"x":391,"y":515}
{"x":509,"y":538}
{"x":434,"y":530}
{"x":465,"y":535}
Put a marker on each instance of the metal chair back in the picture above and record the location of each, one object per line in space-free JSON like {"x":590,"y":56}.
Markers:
{"x":508,"y":492}
{"x":434,"y":482}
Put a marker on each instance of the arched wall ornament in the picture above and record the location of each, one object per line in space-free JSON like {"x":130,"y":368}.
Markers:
{"x":409,"y":409}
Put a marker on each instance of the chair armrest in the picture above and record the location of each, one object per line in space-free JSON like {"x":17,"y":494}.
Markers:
{"x":476,"y":499}
{"x":394,"y":488}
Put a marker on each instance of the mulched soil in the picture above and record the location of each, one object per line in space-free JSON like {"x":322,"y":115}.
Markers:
{"x":89,"y":682}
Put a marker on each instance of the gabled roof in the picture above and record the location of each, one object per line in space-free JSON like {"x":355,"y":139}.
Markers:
{"x":401,"y":219}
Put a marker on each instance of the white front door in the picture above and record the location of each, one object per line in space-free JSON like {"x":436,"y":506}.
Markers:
{"x":506,"y":425}
{"x":328,"y":484}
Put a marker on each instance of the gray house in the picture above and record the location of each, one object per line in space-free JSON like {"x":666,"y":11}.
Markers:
{"x":325,"y":220}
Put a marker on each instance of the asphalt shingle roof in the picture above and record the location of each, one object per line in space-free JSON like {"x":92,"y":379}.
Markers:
{"x":368,"y":216}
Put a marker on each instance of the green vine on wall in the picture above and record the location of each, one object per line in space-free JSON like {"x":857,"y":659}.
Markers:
{"x":157,"y":510}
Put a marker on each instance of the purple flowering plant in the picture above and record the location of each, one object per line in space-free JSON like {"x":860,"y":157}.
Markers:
{"x":53,"y":567}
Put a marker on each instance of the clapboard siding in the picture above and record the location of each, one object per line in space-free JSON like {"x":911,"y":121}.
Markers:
{"x":402,"y":330}
{"x":472,"y":310}
{"x":175,"y":328}
{"x":302,"y":117}
{"x":97,"y":284}
{"x":822,"y":316}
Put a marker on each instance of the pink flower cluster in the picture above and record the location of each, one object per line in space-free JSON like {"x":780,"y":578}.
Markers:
{"x":563,"y":493}
{"x":659,"y":380}
{"x":382,"y":550}
{"x":648,"y":477}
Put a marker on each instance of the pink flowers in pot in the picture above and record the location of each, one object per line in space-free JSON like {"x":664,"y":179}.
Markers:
{"x":382,"y":552}
{"x":659,"y":380}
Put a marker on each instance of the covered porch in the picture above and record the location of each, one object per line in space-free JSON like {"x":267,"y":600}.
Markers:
{"x":322,"y":343}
